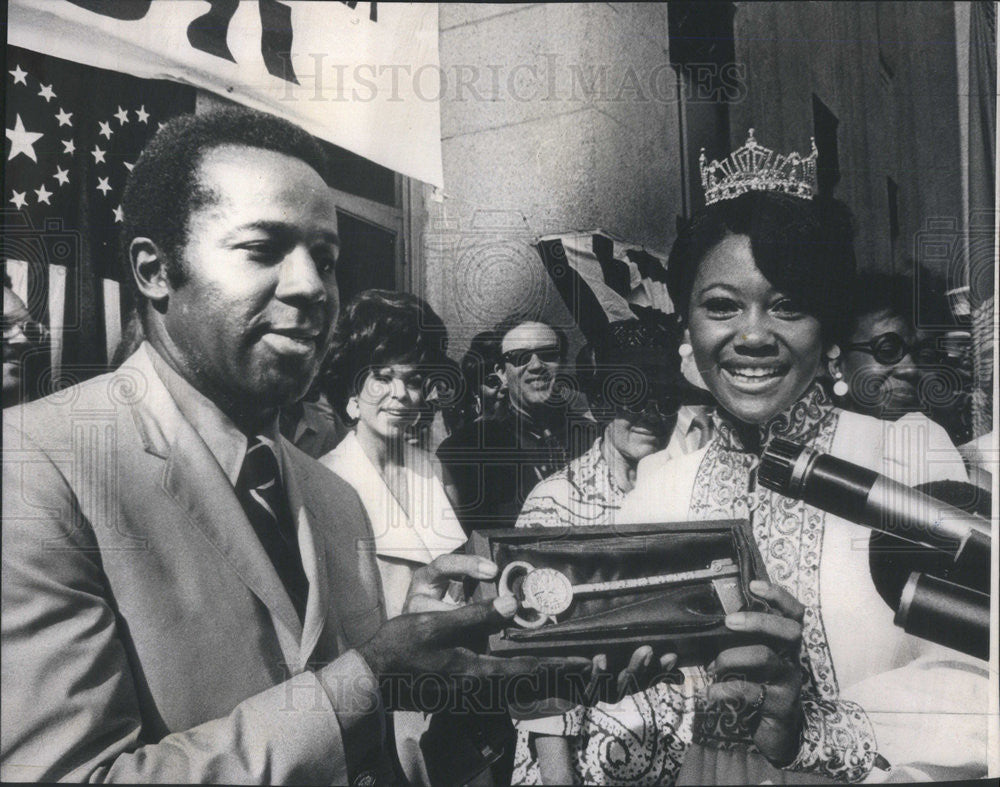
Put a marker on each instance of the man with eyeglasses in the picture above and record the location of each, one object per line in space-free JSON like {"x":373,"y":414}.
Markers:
{"x":496,"y":461}
{"x":20,"y":334}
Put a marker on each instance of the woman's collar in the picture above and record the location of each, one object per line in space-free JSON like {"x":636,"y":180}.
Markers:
{"x":799,"y":423}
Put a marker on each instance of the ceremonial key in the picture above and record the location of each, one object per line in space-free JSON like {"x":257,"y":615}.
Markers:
{"x":550,"y":592}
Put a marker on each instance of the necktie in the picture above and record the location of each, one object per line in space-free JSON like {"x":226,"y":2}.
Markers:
{"x":263,"y":499}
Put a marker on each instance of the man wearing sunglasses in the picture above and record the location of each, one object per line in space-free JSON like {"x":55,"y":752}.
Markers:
{"x":496,"y":461}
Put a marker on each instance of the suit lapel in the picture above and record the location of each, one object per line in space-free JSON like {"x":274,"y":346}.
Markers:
{"x":196,"y":483}
{"x":314,"y":550}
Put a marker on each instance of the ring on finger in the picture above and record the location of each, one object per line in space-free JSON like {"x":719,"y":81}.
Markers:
{"x":758,"y":702}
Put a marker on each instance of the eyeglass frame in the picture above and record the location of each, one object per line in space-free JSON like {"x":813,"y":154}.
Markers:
{"x":904,"y":348}
{"x":552,"y":354}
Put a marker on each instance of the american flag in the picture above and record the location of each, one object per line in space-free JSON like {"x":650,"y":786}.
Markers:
{"x":72,"y":135}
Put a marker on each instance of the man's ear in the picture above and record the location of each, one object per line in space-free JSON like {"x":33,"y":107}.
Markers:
{"x":149,"y":267}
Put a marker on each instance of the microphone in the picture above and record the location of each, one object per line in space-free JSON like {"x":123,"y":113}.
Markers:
{"x":867,"y":498}
{"x":953,"y":612}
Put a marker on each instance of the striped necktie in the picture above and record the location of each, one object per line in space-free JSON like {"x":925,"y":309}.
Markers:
{"x":263,"y":498}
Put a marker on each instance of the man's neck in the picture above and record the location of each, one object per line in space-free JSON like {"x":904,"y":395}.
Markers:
{"x":248,"y":421}
{"x":540,"y":416}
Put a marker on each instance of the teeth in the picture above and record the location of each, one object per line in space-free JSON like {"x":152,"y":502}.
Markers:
{"x":755,"y":371}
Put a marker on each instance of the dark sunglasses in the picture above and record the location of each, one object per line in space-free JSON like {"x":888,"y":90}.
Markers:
{"x":891,"y":348}
{"x":493,"y":381}
{"x":663,"y":406}
{"x":33,"y":331}
{"x":518,"y":358}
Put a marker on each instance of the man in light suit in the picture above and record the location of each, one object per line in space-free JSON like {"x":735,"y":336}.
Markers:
{"x":187,"y":597}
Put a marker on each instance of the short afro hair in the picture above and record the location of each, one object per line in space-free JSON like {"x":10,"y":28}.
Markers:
{"x":163,"y":189}
{"x":805,"y":248}
{"x":379,"y":328}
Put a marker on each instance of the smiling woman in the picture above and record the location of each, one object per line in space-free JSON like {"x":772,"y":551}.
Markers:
{"x":759,"y":276}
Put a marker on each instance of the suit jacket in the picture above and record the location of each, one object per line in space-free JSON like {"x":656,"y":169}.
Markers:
{"x":145,"y":633}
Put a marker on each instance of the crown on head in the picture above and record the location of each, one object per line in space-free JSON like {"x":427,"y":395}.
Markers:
{"x":756,"y":168}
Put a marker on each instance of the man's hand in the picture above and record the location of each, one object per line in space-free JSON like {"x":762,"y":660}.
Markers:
{"x":430,"y":583}
{"x":762,"y":681}
{"x":424,"y":659}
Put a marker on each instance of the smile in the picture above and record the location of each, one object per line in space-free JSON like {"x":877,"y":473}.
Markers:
{"x":753,"y":378}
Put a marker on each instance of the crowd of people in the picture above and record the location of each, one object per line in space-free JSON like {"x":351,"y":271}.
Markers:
{"x":243,"y":585}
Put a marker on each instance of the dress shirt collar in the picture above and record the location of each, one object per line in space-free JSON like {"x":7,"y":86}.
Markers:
{"x":226,"y":442}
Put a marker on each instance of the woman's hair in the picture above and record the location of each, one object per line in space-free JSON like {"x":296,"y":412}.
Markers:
{"x":378,"y":328}
{"x":919,"y":299}
{"x":805,"y":248}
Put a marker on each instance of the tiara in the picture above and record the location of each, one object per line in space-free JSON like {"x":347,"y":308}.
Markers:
{"x":756,"y":168}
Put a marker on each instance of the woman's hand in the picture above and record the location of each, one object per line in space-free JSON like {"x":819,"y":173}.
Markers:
{"x":762,"y":681}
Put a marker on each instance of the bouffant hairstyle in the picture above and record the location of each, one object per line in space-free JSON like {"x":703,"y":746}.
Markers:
{"x":480,"y":360}
{"x":920,"y":300}
{"x":379,"y":328}
{"x":163,"y":189}
{"x":805,"y":248}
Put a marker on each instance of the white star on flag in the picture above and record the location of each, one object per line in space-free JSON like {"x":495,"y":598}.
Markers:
{"x":142,"y":114}
{"x":19,"y":199}
{"x":105,"y":129}
{"x":119,"y":215}
{"x":98,"y":155}
{"x":46,"y":93}
{"x":22,"y":141}
{"x":103,"y":186}
{"x":43,"y":195}
{"x":19,"y":78}
{"x":68,"y":146}
{"x":64,"y":117}
{"x":62,"y":175}
{"x":122,"y":115}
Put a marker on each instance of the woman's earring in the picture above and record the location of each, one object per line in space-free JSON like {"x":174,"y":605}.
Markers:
{"x":840,"y":387}
{"x":833,"y":353}
{"x":684,"y":350}
{"x":352,"y":409}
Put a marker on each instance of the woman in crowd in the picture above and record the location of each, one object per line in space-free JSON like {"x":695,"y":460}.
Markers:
{"x":758,"y":276}
{"x":894,"y":355}
{"x":383,"y":347}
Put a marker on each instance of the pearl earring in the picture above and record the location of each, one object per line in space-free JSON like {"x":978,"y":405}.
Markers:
{"x":352,"y":409}
{"x":840,"y":386}
{"x":685,"y":350}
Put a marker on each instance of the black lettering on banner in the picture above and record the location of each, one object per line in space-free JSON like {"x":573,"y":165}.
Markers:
{"x":372,"y":14}
{"x":127,"y":10}
{"x":209,"y":31}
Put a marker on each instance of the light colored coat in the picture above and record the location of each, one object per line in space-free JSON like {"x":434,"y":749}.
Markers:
{"x":146,"y":635}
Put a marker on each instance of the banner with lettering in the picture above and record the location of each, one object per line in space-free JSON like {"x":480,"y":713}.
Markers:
{"x":364,"y":76}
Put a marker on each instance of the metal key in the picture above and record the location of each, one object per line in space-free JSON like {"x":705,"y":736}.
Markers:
{"x":551,"y":593}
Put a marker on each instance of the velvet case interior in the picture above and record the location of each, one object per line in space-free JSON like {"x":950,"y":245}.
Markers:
{"x":685,"y":618}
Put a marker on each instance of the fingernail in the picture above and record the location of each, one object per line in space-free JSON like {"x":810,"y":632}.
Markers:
{"x":601,"y":661}
{"x":670,"y":661}
{"x":647,"y":658}
{"x":505,"y":605}
{"x":758,"y":586}
{"x":736,"y":620}
{"x":486,"y":569}
{"x":710,"y":669}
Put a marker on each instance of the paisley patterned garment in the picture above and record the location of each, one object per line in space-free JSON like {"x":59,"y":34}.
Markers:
{"x":642,"y":740}
{"x":838,"y":741}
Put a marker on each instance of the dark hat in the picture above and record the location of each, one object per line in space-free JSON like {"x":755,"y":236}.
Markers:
{"x":635,"y":355}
